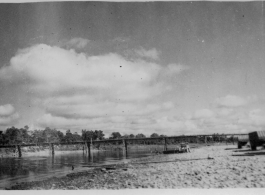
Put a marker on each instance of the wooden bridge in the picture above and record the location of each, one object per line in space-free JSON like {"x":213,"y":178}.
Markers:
{"x":87,"y":145}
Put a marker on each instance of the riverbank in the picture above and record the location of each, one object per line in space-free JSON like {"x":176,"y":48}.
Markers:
{"x":41,"y":150}
{"x":61,"y":149}
{"x":207,"y":167}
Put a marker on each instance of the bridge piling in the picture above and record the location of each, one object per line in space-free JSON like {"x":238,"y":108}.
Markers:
{"x":52,"y":148}
{"x":125,"y":145}
{"x":89,"y":148}
{"x":19,"y":151}
{"x":165,"y":144}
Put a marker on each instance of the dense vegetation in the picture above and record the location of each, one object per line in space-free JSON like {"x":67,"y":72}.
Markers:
{"x":15,"y":135}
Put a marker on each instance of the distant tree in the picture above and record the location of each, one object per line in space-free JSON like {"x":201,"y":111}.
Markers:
{"x":98,"y":135}
{"x":37,"y":136}
{"x":60,"y":136}
{"x":126,"y":136}
{"x":115,"y":135}
{"x":3,"y":138}
{"x":50,"y":135}
{"x":162,"y":135}
{"x":69,"y":137}
{"x":24,"y":134}
{"x":140,"y":135}
{"x":13,"y":135}
{"x":132,"y":136}
{"x":87,"y":135}
{"x":154,"y":135}
{"x":76,"y":137}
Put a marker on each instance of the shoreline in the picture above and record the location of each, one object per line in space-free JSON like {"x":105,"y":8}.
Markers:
{"x":40,"y":151}
{"x":206,"y":167}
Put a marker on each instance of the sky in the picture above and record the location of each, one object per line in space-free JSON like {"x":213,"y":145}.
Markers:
{"x":170,"y":68}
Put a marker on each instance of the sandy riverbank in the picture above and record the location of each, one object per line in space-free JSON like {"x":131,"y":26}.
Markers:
{"x":206,"y":167}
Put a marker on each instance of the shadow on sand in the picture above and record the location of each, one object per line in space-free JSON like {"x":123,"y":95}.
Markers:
{"x":246,"y":150}
{"x":251,"y":153}
{"x":230,"y":148}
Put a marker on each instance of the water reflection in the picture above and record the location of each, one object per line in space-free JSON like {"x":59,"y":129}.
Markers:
{"x":30,"y":168}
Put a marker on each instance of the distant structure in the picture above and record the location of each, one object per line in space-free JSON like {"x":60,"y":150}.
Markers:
{"x":242,"y":140}
{"x":256,"y":138}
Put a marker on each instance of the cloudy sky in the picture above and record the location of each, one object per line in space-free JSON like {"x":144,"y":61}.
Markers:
{"x":171,"y":68}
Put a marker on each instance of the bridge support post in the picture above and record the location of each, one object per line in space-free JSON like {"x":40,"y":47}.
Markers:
{"x":19,"y":151}
{"x":233,"y":140}
{"x":125,"y":148}
{"x":86,"y":147}
{"x":165,"y":146}
{"x":52,"y":148}
{"x":89,"y":148}
{"x":205,"y":139}
{"x":125,"y":145}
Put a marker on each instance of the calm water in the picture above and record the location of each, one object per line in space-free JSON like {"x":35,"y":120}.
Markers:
{"x":32,"y":168}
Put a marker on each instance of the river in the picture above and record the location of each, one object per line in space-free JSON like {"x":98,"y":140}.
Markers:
{"x":43,"y":165}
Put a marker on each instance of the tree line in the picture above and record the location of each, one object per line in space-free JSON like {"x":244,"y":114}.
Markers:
{"x":15,"y":135}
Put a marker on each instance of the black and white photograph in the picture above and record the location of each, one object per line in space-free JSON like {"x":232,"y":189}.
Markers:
{"x":119,"y":95}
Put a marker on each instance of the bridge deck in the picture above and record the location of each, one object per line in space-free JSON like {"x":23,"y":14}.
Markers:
{"x":120,"y":140}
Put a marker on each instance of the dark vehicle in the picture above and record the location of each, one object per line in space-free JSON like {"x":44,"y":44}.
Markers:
{"x":256,"y":138}
{"x":242,"y":140}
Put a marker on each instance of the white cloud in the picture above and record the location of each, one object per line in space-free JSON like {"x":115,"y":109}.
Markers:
{"x":6,"y":110}
{"x":111,"y":93}
{"x":168,"y":105}
{"x":223,"y":111}
{"x":232,"y":127}
{"x":204,"y":113}
{"x":229,"y":116}
{"x":78,"y":91}
{"x":52,"y":69}
{"x":78,"y":43}
{"x":151,"y":54}
{"x":191,"y":126}
{"x":257,"y":117}
{"x":176,"y":68}
{"x":8,"y":116}
{"x":231,"y":101}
